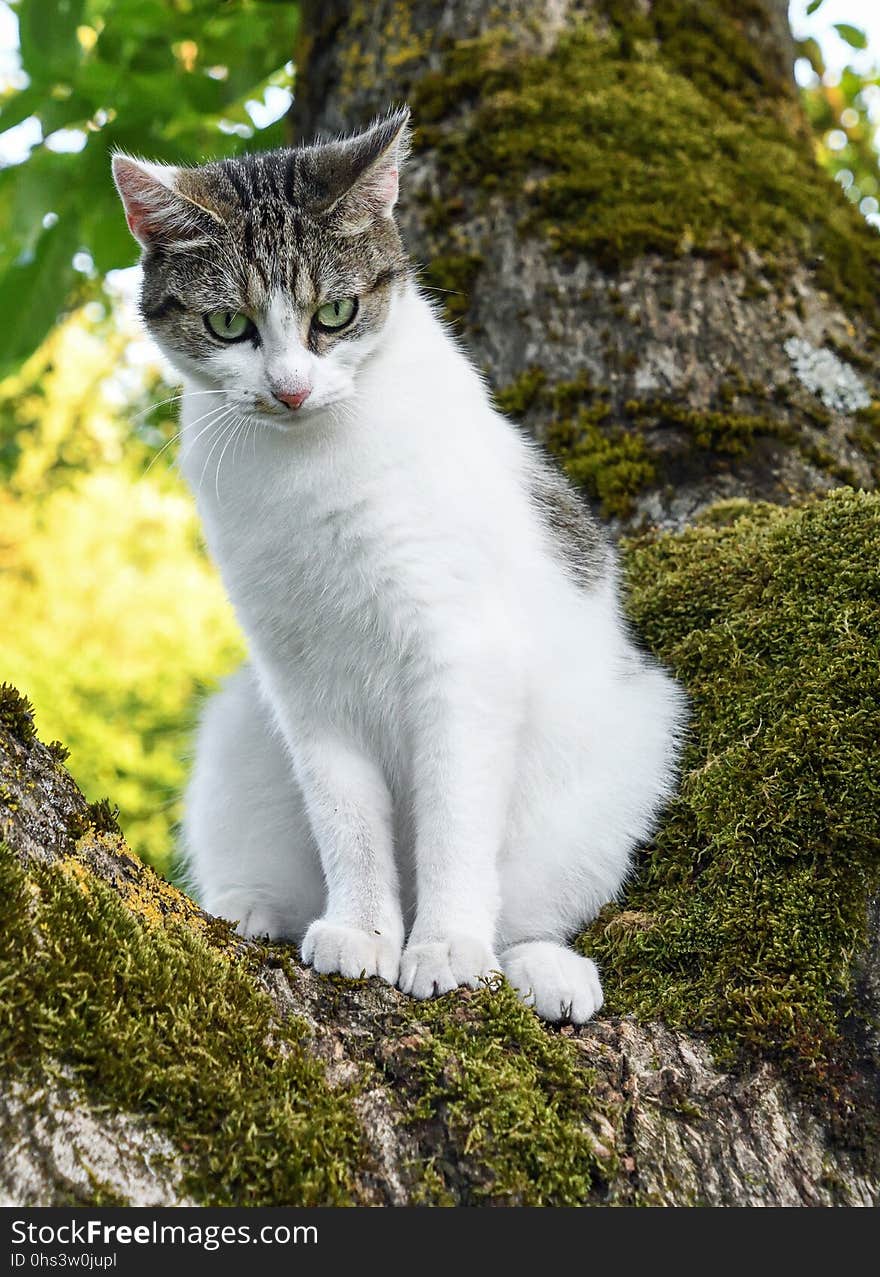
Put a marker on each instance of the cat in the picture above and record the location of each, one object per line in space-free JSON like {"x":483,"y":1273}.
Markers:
{"x":445,"y":746}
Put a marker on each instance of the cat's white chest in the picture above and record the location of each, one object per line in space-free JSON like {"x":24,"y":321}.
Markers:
{"x":329,"y":573}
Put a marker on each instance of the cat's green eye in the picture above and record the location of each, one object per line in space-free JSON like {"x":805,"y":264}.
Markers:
{"x":229,"y":325}
{"x":336,"y":314}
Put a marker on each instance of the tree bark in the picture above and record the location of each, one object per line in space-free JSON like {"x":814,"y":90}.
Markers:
{"x":673,"y":359}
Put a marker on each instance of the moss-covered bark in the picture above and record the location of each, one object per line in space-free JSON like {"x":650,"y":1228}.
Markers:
{"x":752,"y":901}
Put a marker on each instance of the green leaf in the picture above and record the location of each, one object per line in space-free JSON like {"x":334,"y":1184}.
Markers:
{"x":47,"y":29}
{"x":46,"y":183}
{"x":854,"y":36}
{"x":20,"y":106}
{"x":810,"y":50}
{"x":813,"y":6}
{"x":32,"y":292}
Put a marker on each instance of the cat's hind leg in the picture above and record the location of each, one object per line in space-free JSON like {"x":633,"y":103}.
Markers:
{"x":249,"y":852}
{"x":554,"y":880}
{"x":583,"y":808}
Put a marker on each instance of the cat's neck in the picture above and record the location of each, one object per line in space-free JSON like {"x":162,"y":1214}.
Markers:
{"x":420,"y":357}
{"x":416,"y":336}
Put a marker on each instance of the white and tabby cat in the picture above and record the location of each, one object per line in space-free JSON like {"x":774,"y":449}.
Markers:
{"x":444,"y":747}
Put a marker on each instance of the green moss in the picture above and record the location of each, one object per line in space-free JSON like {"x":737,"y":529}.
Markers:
{"x":751,"y":904}
{"x":866,"y":363}
{"x":826,"y":461}
{"x":870,"y":417}
{"x":712,"y":45}
{"x":565,"y":396}
{"x":611,"y":464}
{"x":515,"y":1099}
{"x":520,"y":395}
{"x":615,"y":456}
{"x":727,"y":432}
{"x":670,"y":133}
{"x":16,"y":714}
{"x":98,"y":817}
{"x":865,"y":435}
{"x":152,"y":1019}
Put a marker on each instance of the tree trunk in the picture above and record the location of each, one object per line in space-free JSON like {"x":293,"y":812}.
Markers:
{"x":617,"y":204}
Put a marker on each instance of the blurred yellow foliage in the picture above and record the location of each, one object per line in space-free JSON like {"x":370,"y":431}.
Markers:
{"x":112,"y":620}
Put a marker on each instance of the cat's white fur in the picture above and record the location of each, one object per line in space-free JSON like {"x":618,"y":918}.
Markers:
{"x":444,"y":749}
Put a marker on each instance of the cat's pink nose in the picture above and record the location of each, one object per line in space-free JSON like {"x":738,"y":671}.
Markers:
{"x":294,"y":400}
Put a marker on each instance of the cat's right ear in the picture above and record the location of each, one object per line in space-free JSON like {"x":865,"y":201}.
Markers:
{"x":157,"y":210}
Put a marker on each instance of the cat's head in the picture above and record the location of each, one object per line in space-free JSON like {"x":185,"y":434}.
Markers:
{"x":271,"y":276}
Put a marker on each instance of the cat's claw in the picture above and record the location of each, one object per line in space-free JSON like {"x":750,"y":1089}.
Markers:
{"x":351,"y":952}
{"x":557,"y":982}
{"x":427,"y":970}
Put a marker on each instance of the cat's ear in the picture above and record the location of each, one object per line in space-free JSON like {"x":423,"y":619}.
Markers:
{"x":358,"y":178}
{"x":161,"y":202}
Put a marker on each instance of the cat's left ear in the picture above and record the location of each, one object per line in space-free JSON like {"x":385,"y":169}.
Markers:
{"x":358,"y":178}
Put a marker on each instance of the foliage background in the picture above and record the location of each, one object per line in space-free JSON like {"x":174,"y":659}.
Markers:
{"x":111,"y":619}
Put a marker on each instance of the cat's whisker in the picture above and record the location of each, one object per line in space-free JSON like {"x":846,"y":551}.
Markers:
{"x":253,"y":428}
{"x":165,"y":446}
{"x":345,"y":410}
{"x":214,"y":408}
{"x":189,"y":394}
{"x":215,"y":421}
{"x":235,"y":445}
{"x":237,"y":424}
{"x":179,"y":435}
{"x":242,"y":437}
{"x":221,"y":435}
{"x":433,"y":288}
{"x":190,"y":443}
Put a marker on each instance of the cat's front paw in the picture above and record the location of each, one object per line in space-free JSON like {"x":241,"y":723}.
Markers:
{"x":556,"y":981}
{"x":435,"y":967}
{"x":329,"y":947}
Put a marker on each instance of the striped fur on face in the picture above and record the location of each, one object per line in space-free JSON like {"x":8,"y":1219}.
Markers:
{"x":271,"y":276}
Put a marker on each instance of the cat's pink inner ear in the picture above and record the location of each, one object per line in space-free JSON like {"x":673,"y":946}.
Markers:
{"x":387,"y":189}
{"x":146,"y":191}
